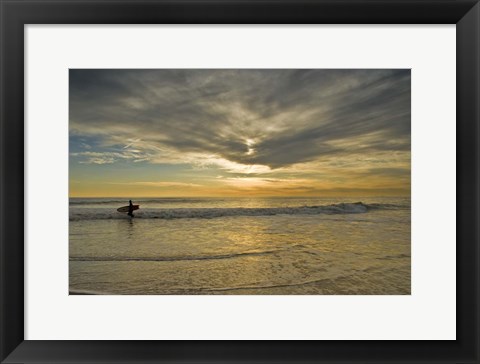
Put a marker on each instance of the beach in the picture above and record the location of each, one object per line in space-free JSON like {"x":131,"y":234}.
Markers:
{"x":242,"y":246}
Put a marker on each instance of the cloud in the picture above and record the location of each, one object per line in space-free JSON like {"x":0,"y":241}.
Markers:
{"x":111,"y":157}
{"x":268,"y":183}
{"x":240,"y":121}
{"x":157,"y":184}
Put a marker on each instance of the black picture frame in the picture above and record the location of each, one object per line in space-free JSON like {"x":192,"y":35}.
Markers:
{"x":15,"y":14}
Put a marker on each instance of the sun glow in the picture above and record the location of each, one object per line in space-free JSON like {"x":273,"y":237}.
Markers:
{"x":250,"y":144}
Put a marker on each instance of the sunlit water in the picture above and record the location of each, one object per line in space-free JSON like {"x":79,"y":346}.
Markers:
{"x":241,"y":246}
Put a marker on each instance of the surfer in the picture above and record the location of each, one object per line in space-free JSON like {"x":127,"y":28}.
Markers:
{"x":130,"y":209}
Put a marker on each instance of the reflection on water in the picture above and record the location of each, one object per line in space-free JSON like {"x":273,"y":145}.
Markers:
{"x":130,"y":228}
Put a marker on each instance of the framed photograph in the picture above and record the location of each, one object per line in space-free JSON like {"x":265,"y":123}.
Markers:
{"x":239,"y":181}
{"x":225,"y":173}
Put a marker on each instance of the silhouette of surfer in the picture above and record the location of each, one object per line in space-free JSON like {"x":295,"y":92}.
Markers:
{"x":130,"y":209}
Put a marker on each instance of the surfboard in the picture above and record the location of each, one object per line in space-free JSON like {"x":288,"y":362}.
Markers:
{"x":125,"y":208}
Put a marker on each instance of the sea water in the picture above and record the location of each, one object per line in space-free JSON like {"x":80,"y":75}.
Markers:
{"x":278,"y":246}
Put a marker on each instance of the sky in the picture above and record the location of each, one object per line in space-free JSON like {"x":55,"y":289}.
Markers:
{"x":292,"y":132}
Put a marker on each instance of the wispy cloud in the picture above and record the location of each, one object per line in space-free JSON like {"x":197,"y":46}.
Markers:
{"x":111,"y":157}
{"x":157,"y":184}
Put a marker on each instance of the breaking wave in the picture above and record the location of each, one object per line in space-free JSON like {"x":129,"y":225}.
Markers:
{"x":209,"y":213}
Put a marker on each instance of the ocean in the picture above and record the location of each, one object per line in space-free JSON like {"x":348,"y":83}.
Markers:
{"x":241,"y":246}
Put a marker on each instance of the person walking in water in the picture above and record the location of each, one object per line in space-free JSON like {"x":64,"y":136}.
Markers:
{"x":130,"y":209}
